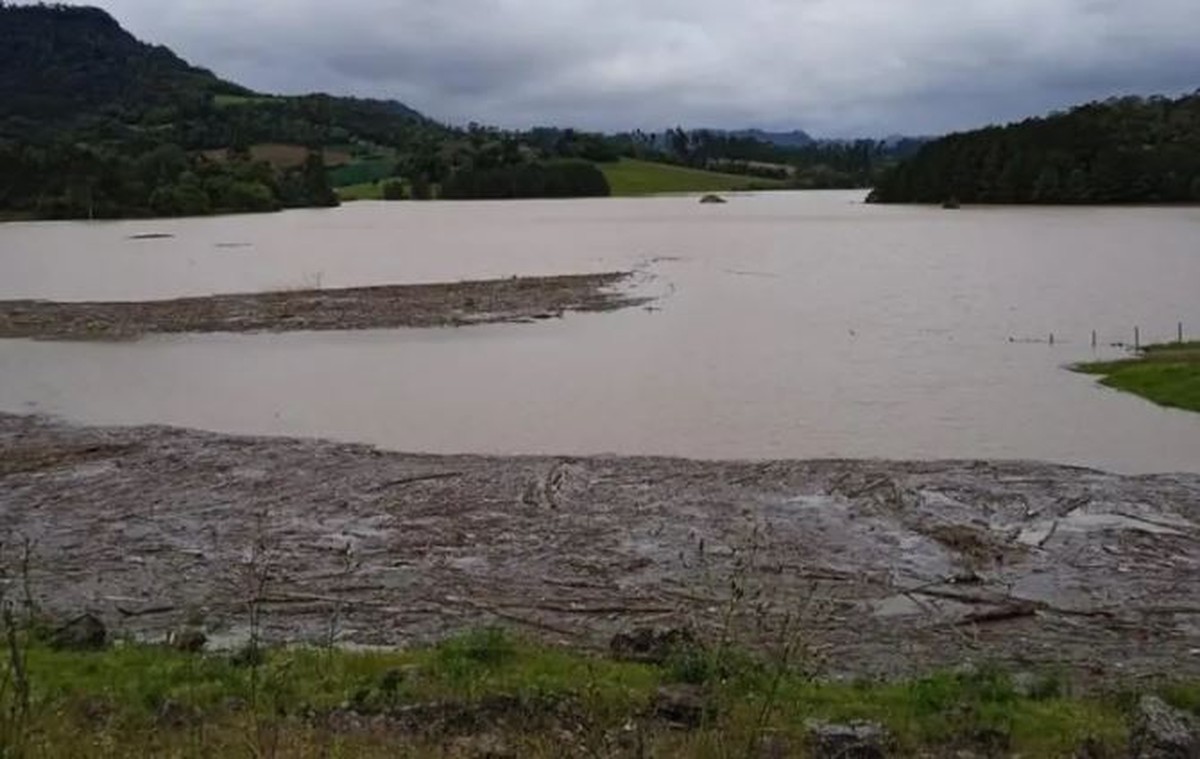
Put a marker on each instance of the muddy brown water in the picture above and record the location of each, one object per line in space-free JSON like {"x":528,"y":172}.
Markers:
{"x":793,"y":325}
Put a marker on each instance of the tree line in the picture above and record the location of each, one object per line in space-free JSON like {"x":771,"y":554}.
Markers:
{"x":75,"y":180}
{"x":819,"y":164}
{"x":1124,"y":150}
{"x":540,"y":179}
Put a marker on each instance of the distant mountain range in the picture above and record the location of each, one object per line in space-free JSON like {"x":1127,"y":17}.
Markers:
{"x":797,"y":138}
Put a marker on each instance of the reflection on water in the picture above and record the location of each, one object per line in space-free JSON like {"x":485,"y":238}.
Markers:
{"x":791,"y":325}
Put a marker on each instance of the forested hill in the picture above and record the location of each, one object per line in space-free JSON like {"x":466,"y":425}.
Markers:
{"x":60,"y":63}
{"x":1126,"y":150}
{"x":72,"y":68}
{"x":95,"y":123}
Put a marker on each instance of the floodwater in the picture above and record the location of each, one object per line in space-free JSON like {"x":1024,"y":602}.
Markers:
{"x":789,"y":325}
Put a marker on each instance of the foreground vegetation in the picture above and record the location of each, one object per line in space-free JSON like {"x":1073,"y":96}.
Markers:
{"x":630,"y":177}
{"x":1168,"y":374}
{"x":1126,"y":150}
{"x":488,"y":691}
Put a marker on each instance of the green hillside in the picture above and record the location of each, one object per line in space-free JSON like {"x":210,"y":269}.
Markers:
{"x":1127,"y":150}
{"x":633,"y":177}
{"x":97,"y":124}
{"x":61,"y":66}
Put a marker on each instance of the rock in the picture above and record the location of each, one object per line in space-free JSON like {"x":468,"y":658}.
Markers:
{"x":391,"y":680}
{"x":1162,"y":732}
{"x":84,"y":633}
{"x":775,"y":746}
{"x":853,"y":740}
{"x":1091,"y":748}
{"x":651,"y":646}
{"x":713,"y":199}
{"x":682,"y":705}
{"x":235,"y":704}
{"x":485,"y":746}
{"x":189,"y":640}
{"x":951,"y":204}
{"x":171,"y":713}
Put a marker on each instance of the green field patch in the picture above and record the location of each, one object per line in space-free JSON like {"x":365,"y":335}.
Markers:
{"x":631,"y":177}
{"x":1167,"y":374}
{"x":362,"y":172}
{"x":363,"y":191}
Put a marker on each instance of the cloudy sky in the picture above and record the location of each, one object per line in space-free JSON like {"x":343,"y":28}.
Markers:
{"x":833,"y":67}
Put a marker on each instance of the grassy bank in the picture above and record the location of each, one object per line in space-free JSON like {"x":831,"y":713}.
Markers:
{"x":488,"y":691}
{"x":629,"y":177}
{"x":364,"y":191}
{"x":1168,"y":374}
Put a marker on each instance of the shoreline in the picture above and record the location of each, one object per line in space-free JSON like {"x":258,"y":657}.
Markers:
{"x":899,"y":567}
{"x":511,"y":300}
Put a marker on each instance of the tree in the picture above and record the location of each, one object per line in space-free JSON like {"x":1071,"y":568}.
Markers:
{"x":1126,"y":150}
{"x":421,"y":188}
{"x":393,"y":189}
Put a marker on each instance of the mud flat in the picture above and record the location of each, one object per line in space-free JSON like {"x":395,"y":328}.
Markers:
{"x":892,"y":566}
{"x":434,"y":305}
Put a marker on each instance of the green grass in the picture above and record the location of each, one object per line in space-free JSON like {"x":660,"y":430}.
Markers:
{"x":630,"y":177}
{"x":361,"y":171}
{"x":1167,"y":374}
{"x":364,"y":191}
{"x":148,"y":700}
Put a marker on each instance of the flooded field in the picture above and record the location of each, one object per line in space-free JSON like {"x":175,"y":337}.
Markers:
{"x":785,"y":326}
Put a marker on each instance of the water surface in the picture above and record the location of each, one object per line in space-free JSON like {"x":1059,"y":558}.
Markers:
{"x":789,"y":325}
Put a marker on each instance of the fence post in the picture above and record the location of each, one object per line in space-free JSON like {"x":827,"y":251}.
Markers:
{"x":1137,"y":339}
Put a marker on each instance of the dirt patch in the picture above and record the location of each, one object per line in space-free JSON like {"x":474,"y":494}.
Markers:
{"x":282,"y":156}
{"x":153,"y":527}
{"x":452,"y":304}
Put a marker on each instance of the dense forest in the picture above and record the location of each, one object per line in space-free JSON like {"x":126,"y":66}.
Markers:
{"x":95,"y":124}
{"x":548,"y":179}
{"x":1126,"y":150}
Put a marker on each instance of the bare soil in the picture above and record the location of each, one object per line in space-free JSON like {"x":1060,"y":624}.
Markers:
{"x":892,"y":567}
{"x":516,"y":299}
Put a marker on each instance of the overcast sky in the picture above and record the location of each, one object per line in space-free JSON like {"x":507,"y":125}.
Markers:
{"x":833,"y":67}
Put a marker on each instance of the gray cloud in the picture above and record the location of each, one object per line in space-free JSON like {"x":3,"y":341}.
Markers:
{"x":835,"y":67}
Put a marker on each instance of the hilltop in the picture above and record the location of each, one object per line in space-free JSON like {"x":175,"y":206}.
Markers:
{"x":95,"y":123}
{"x":1123,"y":150}
{"x":75,"y":69}
{"x":62,"y":64}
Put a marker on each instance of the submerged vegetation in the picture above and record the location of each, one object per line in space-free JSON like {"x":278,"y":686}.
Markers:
{"x":1167,"y":374}
{"x":489,"y":693}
